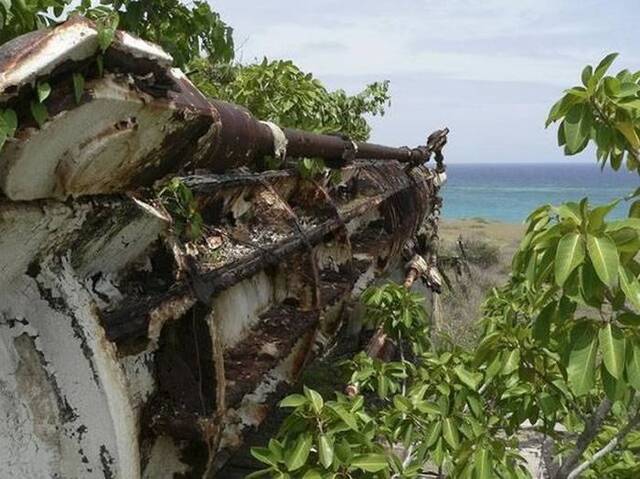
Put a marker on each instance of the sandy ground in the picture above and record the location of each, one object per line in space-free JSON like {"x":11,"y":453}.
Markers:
{"x":504,"y":235}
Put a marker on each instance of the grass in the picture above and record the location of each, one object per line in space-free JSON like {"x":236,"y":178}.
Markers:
{"x":488,"y":248}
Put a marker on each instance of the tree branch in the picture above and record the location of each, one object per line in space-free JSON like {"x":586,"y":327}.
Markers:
{"x":610,"y":446}
{"x":591,"y":429}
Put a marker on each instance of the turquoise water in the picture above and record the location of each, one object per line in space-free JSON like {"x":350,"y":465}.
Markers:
{"x":509,"y":192}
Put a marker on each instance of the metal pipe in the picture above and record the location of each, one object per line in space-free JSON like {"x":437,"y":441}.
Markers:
{"x":243,"y":139}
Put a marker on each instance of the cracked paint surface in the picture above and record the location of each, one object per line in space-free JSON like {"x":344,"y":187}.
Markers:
{"x":108,"y":362}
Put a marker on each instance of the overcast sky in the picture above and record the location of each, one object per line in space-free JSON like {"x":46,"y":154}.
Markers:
{"x":487,"y":69}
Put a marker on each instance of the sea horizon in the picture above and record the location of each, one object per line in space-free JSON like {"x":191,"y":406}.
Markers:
{"x":508,"y":192}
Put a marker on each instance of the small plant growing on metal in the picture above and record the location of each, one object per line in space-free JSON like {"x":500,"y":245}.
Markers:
{"x":8,"y":125}
{"x":179,"y":202}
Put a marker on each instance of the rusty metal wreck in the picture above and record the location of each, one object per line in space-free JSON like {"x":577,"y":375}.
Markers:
{"x":127,"y":353}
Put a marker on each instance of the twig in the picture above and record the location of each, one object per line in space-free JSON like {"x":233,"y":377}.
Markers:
{"x":610,"y":446}
{"x":591,"y":430}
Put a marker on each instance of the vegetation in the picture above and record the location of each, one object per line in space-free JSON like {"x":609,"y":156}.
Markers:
{"x":560,"y":343}
{"x":185,"y":32}
{"x":604,"y":110}
{"x":202,"y":43}
{"x":280,"y":92}
{"x":177,"y":199}
{"x":559,"y":349}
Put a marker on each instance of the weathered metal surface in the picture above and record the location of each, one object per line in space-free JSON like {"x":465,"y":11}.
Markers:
{"x":124,"y":351}
{"x":134,"y":124}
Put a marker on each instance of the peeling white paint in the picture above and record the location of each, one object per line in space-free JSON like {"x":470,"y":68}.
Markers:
{"x":73,"y":41}
{"x":27,"y":230}
{"x":94,"y":423}
{"x":164,"y":460}
{"x":93,"y":148}
{"x":239,"y":307}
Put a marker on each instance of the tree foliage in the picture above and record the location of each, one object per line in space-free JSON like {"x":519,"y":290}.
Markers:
{"x":281,"y":92}
{"x":604,"y":110}
{"x":186,"y":32}
{"x":202,"y":43}
{"x":560,"y":347}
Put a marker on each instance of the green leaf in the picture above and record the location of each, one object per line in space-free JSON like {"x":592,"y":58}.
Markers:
{"x":475,"y":405}
{"x":604,"y":257}
{"x":438,"y":453}
{"x":450,"y":433}
{"x":348,"y":418}
{"x":264,"y":455}
{"x":611,"y":86}
{"x":325,"y":450}
{"x":582,"y":358}
{"x":576,"y":128}
{"x":570,"y":211}
{"x":312,"y":474}
{"x":549,"y":404}
{"x":628,"y":89}
{"x":433,"y":434}
{"x":633,"y":364}
{"x":316,"y":399}
{"x":44,"y":90}
{"x":603,"y":66}
{"x":294,"y":400}
{"x":296,"y":457}
{"x":106,"y":33}
{"x":370,"y":462}
{"x":630,"y":286}
{"x":512,"y":361}
{"x":343,"y":451}
{"x":78,"y":86}
{"x":469,"y":379}
{"x":39,"y":112}
{"x":542,"y":324}
{"x":560,"y":109}
{"x":629,"y":132}
{"x":597,"y":215}
{"x":612,"y":346}
{"x":587,"y":73}
{"x":633,"y":223}
{"x":613,"y":388}
{"x":569,"y":255}
{"x":276,"y":448}
{"x":482,"y":464}
{"x":8,"y":122}
{"x":261,"y":473}
{"x":100,"y":65}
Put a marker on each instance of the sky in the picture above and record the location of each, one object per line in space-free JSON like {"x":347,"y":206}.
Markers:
{"x":488,"y":69}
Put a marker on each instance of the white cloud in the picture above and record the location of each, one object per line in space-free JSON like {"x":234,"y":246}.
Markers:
{"x":488,"y":68}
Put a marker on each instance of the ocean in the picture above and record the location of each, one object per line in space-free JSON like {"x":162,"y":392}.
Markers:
{"x":509,"y":192}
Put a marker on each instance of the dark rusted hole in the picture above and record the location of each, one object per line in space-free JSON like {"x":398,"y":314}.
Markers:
{"x":184,"y":368}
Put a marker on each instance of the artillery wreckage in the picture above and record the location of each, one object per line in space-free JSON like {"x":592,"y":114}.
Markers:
{"x":126,"y":352}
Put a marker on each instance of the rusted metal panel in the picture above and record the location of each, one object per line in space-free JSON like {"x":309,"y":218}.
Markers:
{"x":135,"y":124}
{"x":128,"y":350}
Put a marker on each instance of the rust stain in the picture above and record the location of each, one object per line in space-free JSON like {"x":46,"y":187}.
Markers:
{"x":314,"y":240}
